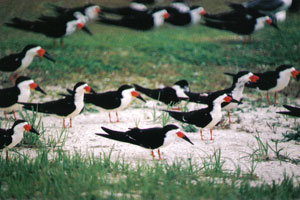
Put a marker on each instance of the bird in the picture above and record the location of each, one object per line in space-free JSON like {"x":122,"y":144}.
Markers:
{"x":167,"y":95}
{"x":17,"y":62}
{"x":150,"y":138}
{"x":190,"y":17}
{"x":235,"y":91}
{"x":67,"y":107}
{"x":206,"y":117}
{"x":149,"y":2}
{"x":19,"y":93}
{"x":113,"y":100}
{"x":9,"y":138}
{"x":241,"y":23}
{"x":292,"y":111}
{"x":134,"y":8}
{"x":267,"y":7}
{"x":274,"y":81}
{"x":54,"y":27}
{"x":91,"y":11}
{"x":142,"y":22}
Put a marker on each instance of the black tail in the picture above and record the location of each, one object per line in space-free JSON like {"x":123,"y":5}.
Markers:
{"x":22,"y":24}
{"x":198,"y":97}
{"x":146,"y":91}
{"x":293,"y":111}
{"x":236,"y":6}
{"x":30,"y":106}
{"x":214,"y":24}
{"x":115,"y":22}
{"x":176,"y":115}
{"x":116,"y":135}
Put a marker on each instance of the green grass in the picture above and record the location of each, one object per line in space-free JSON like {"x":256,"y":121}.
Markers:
{"x":77,"y":177}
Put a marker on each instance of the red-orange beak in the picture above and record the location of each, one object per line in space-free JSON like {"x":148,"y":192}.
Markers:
{"x":294,"y":73}
{"x":253,"y":78}
{"x":27,"y":127}
{"x":227,"y":99}
{"x":41,"y":52}
{"x":166,"y":15}
{"x":202,"y":12}
{"x":183,"y":136}
{"x":269,"y":21}
{"x":33,"y":86}
{"x":87,"y":89}
{"x":137,"y":95}
{"x":97,"y":10}
{"x":80,"y":25}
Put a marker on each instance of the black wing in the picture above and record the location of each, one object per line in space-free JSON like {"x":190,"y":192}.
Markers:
{"x":8,"y":96}
{"x":61,"y":107}
{"x":266,"y":80}
{"x":199,"y":118}
{"x":5,"y":138}
{"x":107,"y":100}
{"x":293,"y":111}
{"x":10,"y":63}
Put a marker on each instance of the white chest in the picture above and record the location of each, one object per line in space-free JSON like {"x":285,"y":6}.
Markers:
{"x":282,"y":82}
{"x":216,"y":115}
{"x":27,"y":60}
{"x":16,"y":138}
{"x":79,"y":104}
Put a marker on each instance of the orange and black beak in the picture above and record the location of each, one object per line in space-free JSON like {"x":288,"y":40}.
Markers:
{"x":295,"y":73}
{"x":28,"y":128}
{"x":137,"y":95}
{"x":35,"y":86}
{"x":183,"y":136}
{"x":254,"y":78}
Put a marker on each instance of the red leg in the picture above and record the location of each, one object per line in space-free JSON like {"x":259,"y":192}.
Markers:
{"x":61,"y":42}
{"x":211,"y":134}
{"x":5,"y":115}
{"x":7,"y":157}
{"x":109,"y":118}
{"x":70,"y":122}
{"x":64,"y":125}
{"x":244,"y":40}
{"x":250,"y":39}
{"x":275,"y":97}
{"x":229,"y":121}
{"x":117,"y":117}
{"x":158,"y":151}
{"x":268,"y":99}
{"x":14,"y":114}
{"x":153,"y":154}
{"x":201,"y":134}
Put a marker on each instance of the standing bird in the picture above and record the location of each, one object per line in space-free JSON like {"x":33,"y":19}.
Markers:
{"x":240,"y":23}
{"x":9,"y":97}
{"x":292,"y":111}
{"x":54,"y":27}
{"x":191,"y":17}
{"x":16,"y":63}
{"x":91,"y":11}
{"x":11,"y":137}
{"x":113,"y":100}
{"x":204,"y":118}
{"x":267,"y":7}
{"x":168,"y":95}
{"x":151,"y":138}
{"x":68,"y":107}
{"x":142,"y":22}
{"x":235,"y":91}
{"x":274,"y":81}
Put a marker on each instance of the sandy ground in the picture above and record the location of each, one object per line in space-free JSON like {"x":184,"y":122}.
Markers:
{"x":236,"y":140}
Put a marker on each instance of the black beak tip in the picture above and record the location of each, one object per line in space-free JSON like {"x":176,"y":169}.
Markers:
{"x":32,"y":130}
{"x":40,"y":90}
{"x":141,"y":98}
{"x":47,"y":56}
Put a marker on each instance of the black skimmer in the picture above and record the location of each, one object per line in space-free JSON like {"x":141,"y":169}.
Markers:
{"x":239,"y":22}
{"x":235,"y":91}
{"x":54,"y":27}
{"x":168,"y":95}
{"x":204,"y":118}
{"x":67,"y":107}
{"x":134,"y":8}
{"x":274,"y":81}
{"x":113,"y":100}
{"x":13,"y":136}
{"x":142,"y":22}
{"x":292,"y":111}
{"x":91,"y":11}
{"x":19,"y":93}
{"x":185,"y":18}
{"x":16,"y":63}
{"x":151,"y":138}
{"x":267,"y":7}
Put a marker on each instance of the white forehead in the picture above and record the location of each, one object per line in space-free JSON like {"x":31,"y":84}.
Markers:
{"x":27,"y":82}
{"x":35,"y":49}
